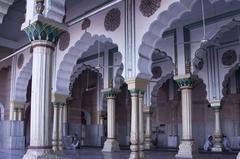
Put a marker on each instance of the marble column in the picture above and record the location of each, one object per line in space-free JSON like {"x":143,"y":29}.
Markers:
{"x":148,"y":129}
{"x":15,"y":114}
{"x":137,"y":87}
{"x":20,"y":114}
{"x":187,"y":147}
{"x":60,"y":126}
{"x":111,"y":144}
{"x":43,"y":34}
{"x":55,"y":127}
{"x":65,"y":116}
{"x":134,"y":138}
{"x":141,"y":127}
{"x":217,"y":136}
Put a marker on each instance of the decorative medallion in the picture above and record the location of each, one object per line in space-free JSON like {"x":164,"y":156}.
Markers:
{"x":112,"y":19}
{"x":149,"y":7}
{"x":86,"y":24}
{"x":20,"y":61}
{"x":229,"y":57}
{"x":157,"y":72}
{"x":64,"y":41}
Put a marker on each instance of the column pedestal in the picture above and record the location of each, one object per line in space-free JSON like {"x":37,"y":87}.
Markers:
{"x":111,"y":144}
{"x":148,"y":131}
{"x":187,"y":147}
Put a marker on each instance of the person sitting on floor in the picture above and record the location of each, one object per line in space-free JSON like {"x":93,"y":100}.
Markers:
{"x":75,"y":142}
{"x":208,"y":144}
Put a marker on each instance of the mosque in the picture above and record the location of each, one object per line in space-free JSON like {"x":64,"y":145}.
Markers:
{"x":119,"y":79}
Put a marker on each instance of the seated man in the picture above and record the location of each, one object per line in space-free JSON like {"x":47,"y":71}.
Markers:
{"x":75,"y":141}
{"x":208,"y":144}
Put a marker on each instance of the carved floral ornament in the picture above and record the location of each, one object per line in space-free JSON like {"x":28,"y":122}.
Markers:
{"x":86,"y":24}
{"x":64,"y":41}
{"x":149,"y":7}
{"x":112,"y":19}
{"x":229,"y":57}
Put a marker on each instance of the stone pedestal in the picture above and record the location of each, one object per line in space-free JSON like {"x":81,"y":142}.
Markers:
{"x":43,"y":33}
{"x":148,"y":131}
{"x":187,"y":146}
{"x":111,"y":144}
{"x":217,"y":136}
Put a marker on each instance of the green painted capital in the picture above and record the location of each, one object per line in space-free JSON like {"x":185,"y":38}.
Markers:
{"x":184,"y":81}
{"x":110,"y":93}
{"x":43,"y":31}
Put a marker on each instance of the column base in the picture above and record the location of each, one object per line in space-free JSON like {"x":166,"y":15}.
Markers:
{"x":187,"y":149}
{"x":217,"y":146}
{"x":134,"y":152}
{"x":111,"y":145}
{"x":37,"y":154}
{"x":148,"y":144}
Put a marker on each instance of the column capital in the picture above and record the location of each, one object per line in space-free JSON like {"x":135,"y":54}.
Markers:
{"x":216,"y":105}
{"x":41,"y":28}
{"x":18,"y":104}
{"x":59,"y":98}
{"x":110,"y":92}
{"x":137,"y":84}
{"x":184,"y":81}
{"x":148,"y":110}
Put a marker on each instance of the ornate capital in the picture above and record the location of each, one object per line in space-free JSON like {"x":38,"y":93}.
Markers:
{"x":110,"y":92}
{"x":216,"y":105}
{"x":41,"y":28}
{"x":185,"y":81}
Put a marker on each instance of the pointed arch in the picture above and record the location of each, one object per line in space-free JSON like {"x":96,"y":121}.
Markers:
{"x":66,"y":67}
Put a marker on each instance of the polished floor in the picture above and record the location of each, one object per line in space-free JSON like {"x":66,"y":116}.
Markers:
{"x":94,"y":153}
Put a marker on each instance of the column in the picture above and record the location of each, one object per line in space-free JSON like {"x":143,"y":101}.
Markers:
{"x":187,"y":146}
{"x":60,"y":126}
{"x":55,"y":127}
{"x":217,"y":142}
{"x":20,"y":114}
{"x":141,"y":128}
{"x":148,"y":129}
{"x":134,"y":136}
{"x":43,"y":35}
{"x":111,"y":144}
{"x":65,"y":116}
{"x":15,"y":114}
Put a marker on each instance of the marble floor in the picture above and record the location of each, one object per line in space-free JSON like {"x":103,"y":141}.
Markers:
{"x":94,"y":153}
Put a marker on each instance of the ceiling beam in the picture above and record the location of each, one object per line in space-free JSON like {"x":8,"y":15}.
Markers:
{"x":9,"y":43}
